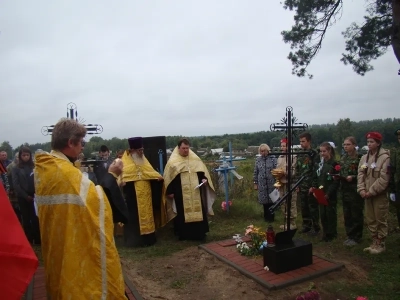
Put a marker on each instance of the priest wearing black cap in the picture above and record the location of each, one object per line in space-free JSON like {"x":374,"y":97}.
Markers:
{"x":147,"y":206}
{"x":394,"y":185}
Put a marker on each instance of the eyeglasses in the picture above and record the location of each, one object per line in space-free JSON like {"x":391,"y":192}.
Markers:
{"x":83,"y":143}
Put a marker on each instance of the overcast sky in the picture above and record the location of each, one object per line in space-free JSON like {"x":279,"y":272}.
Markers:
{"x":174,"y":68}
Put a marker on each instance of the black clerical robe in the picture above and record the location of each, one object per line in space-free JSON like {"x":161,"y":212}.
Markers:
{"x":116,"y":199}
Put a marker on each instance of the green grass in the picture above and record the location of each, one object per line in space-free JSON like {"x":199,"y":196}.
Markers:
{"x":377,"y":277}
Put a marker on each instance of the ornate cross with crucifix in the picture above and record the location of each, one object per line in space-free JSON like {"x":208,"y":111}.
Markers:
{"x":290,"y":126}
{"x":72,"y":113}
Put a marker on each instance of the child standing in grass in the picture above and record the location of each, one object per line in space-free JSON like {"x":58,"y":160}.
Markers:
{"x":372,"y":183}
{"x":323,"y":178}
{"x":353,"y":204}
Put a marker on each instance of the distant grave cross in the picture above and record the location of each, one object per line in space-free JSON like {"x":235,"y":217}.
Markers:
{"x":225,"y":168}
{"x":72,"y":113}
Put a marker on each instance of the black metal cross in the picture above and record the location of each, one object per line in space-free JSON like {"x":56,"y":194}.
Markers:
{"x":72,"y":113}
{"x":290,"y":126}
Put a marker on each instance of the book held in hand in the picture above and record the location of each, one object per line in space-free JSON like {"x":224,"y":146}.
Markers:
{"x":319,"y":194}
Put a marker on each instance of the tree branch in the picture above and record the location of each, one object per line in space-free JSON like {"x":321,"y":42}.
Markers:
{"x":312,"y":21}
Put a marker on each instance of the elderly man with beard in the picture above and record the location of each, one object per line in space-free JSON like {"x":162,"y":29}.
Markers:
{"x":145,"y":197}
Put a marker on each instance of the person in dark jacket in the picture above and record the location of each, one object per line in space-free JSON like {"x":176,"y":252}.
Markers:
{"x":24,"y":187}
{"x":12,"y":196}
{"x":114,"y":194}
{"x":264,"y":181}
{"x":100,"y":169}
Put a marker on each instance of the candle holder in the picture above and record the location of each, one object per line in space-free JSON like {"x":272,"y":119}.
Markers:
{"x":277,"y":173}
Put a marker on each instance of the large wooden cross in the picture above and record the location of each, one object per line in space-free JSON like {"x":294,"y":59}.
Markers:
{"x":72,"y":113}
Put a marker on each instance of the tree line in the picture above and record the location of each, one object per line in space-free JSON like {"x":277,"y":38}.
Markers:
{"x":240,"y":141}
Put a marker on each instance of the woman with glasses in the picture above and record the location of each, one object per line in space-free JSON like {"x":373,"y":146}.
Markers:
{"x":323,"y":179}
{"x":353,"y":204}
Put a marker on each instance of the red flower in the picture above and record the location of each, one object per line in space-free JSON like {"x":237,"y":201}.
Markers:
{"x":337,"y":168}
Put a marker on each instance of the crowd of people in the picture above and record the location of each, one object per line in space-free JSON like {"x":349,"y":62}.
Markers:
{"x":366,"y":183}
{"x":71,"y":208}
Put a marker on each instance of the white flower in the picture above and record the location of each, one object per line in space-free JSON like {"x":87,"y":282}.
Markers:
{"x":373,"y":165}
{"x":237,"y":238}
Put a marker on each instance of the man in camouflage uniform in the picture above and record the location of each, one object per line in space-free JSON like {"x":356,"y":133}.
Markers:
{"x":394,"y":184}
{"x":309,"y":205}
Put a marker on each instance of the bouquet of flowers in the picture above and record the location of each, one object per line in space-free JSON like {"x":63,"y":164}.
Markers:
{"x":257,"y":241}
{"x":223,"y":204}
{"x":312,"y":293}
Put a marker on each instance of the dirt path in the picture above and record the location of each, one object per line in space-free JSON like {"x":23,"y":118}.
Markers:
{"x":194,"y":274}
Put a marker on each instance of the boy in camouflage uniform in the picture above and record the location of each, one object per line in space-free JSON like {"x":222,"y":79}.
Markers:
{"x":394,"y":184}
{"x":309,"y":205}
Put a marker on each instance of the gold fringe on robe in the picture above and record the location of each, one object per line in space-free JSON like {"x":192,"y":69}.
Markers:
{"x":188,"y":167}
{"x":80,"y":258}
{"x":141,"y":176}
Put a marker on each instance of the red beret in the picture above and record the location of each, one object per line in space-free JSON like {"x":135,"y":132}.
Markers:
{"x":374,"y":135}
{"x":284,"y":141}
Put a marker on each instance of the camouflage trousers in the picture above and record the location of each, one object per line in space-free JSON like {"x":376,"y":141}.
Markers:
{"x":353,"y":213}
{"x":329,"y":218}
{"x":376,"y":215}
{"x":309,"y":210}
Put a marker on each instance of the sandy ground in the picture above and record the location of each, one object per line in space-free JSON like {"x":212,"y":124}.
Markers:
{"x":195,"y":274}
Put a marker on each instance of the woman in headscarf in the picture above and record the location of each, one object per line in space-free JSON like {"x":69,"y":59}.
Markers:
{"x":24,"y":187}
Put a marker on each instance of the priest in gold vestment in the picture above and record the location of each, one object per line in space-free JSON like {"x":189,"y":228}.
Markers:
{"x":144,"y":193}
{"x":79,"y":254}
{"x":191,"y":190}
